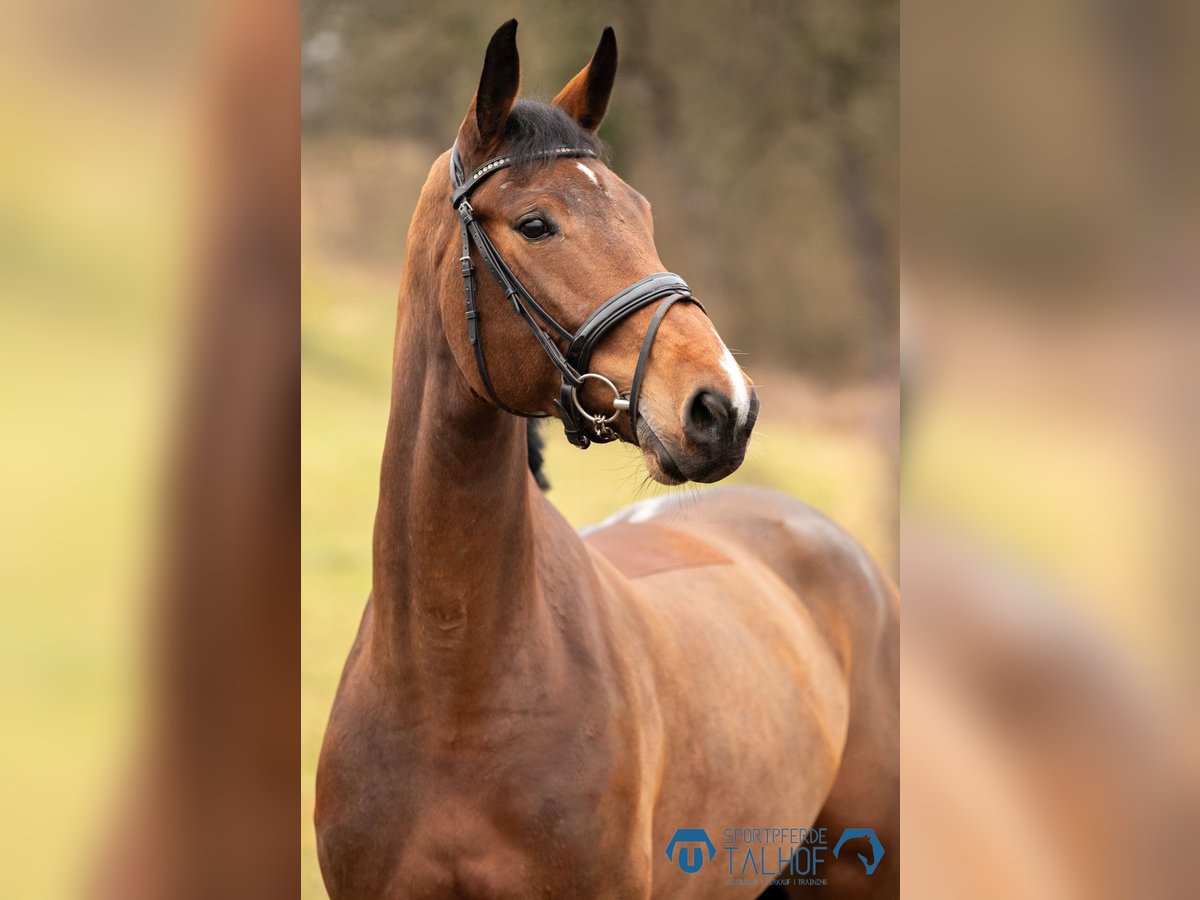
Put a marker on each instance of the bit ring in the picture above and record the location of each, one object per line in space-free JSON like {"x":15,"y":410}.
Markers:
{"x":619,"y":402}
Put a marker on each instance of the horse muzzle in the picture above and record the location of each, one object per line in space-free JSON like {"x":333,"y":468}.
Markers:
{"x":713,"y":434}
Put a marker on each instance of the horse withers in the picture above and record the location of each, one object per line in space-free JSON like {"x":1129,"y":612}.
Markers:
{"x":527,"y":712}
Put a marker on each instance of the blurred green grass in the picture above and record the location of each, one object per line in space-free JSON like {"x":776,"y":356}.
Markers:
{"x":347,"y":326}
{"x":91,"y":242}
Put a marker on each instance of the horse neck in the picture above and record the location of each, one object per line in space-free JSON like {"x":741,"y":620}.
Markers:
{"x":459,"y":518}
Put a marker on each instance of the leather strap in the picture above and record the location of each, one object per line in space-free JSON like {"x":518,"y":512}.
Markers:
{"x":464,"y":185}
{"x":619,"y":306}
{"x":639,"y":373}
{"x":516,"y":292}
{"x":474,"y":334}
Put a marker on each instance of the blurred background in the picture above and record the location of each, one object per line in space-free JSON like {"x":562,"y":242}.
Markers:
{"x":765,"y":134}
{"x":1049,"y":305}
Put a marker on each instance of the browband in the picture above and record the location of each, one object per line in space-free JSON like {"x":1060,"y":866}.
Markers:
{"x":582,"y":427}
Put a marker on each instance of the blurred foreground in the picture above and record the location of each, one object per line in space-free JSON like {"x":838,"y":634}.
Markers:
{"x":148,"y":301}
{"x":1049,"y":687}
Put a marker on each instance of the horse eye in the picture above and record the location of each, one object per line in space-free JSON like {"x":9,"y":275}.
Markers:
{"x":534,"y":229}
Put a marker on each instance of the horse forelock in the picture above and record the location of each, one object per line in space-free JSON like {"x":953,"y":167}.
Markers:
{"x":535,"y":126}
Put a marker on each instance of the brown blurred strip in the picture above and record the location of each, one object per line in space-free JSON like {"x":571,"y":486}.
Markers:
{"x":213,"y":807}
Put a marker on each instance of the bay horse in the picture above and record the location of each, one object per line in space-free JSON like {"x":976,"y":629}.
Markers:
{"x":528,"y":712}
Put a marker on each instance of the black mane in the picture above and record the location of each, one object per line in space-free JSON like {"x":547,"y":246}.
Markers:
{"x":534,"y":127}
{"x":536,"y":444}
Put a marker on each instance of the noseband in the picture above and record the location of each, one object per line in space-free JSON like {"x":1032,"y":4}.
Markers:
{"x":582,"y":426}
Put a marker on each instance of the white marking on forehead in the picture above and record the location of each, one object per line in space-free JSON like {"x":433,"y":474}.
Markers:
{"x":737,"y":382}
{"x":588,"y":172}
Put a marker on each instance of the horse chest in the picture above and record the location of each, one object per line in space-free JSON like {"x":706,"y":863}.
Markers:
{"x":470,"y":836}
{"x":494,"y":814}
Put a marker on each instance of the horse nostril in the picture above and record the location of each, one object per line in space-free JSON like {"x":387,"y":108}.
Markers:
{"x":707,"y":417}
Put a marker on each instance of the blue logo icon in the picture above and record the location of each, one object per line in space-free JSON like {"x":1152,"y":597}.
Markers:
{"x":693,"y":862}
{"x":876,"y":848}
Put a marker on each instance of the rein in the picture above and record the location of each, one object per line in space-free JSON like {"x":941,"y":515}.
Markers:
{"x":582,"y":427}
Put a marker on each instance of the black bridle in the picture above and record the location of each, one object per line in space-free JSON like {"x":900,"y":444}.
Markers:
{"x":581,"y":426}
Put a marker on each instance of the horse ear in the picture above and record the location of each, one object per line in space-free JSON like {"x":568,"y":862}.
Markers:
{"x":483,"y":128}
{"x":585,"y":98}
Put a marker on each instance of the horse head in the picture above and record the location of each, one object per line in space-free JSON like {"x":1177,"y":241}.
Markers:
{"x":567,"y":230}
